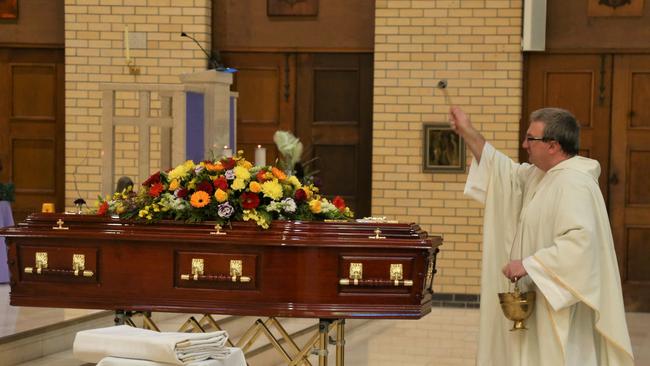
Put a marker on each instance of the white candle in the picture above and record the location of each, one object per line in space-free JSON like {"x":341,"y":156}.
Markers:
{"x":227,"y":152}
{"x":260,"y":156}
{"x":127,"y":51}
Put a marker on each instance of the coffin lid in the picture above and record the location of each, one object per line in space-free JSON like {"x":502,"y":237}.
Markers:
{"x":280,"y":233}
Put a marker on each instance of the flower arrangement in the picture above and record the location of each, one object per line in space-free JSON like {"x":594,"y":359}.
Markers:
{"x":224,"y":190}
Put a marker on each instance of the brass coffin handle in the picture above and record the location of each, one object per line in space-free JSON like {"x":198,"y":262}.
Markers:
{"x":197,"y":274}
{"x":41,"y":266}
{"x":356,"y":277}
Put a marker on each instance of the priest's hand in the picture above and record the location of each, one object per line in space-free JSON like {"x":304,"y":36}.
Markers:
{"x":514,"y":270}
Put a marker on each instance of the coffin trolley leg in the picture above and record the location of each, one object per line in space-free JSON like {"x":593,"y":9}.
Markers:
{"x":340,"y":342}
{"x":126,"y":318}
{"x":323,"y":338}
{"x":317,"y":344}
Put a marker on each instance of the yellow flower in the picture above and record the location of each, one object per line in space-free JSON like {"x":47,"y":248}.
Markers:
{"x":220,"y":195}
{"x":245,"y":164}
{"x":238,"y":184}
{"x":242,"y":173}
{"x":174,"y":184}
{"x":315,"y":206}
{"x":181,"y":170}
{"x":199,"y":199}
{"x":308,"y":192}
{"x":294,"y":182}
{"x":259,"y":220}
{"x":255,"y":187}
{"x":272,"y":189}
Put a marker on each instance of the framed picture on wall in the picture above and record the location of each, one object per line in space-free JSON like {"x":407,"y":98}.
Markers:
{"x":444,"y":150}
{"x":8,"y":9}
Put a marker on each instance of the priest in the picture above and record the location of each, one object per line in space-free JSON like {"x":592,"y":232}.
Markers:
{"x":546,"y":226}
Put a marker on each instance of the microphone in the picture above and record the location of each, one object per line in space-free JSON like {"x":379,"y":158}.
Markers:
{"x":213,"y":60}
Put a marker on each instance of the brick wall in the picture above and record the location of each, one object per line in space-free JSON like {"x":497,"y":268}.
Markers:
{"x":475,"y":45}
{"x":94,"y":54}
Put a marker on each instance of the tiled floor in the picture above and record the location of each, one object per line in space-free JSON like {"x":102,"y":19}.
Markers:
{"x":20,"y":319}
{"x":447,"y":336}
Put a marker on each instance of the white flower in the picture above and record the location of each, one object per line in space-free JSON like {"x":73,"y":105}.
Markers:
{"x":289,"y":204}
{"x":327,"y":206}
{"x":289,"y":146}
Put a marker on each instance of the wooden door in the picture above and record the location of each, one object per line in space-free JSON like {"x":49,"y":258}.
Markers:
{"x":32,"y":125}
{"x":325,"y":100}
{"x":266,"y":86}
{"x":334,"y":119}
{"x":580,"y":84}
{"x":629,"y":177}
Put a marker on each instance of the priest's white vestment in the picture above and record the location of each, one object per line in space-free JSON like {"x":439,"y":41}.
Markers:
{"x":557,"y":222}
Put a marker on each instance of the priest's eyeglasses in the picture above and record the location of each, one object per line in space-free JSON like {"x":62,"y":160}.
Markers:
{"x":532,"y":138}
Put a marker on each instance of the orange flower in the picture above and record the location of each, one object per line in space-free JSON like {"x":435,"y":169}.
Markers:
{"x":255,"y":187}
{"x":278,"y":173}
{"x":214,"y":167}
{"x":199,"y":199}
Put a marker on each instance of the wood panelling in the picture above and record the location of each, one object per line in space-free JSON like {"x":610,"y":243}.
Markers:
{"x":640,"y":113}
{"x":639,"y":187}
{"x":339,"y":25}
{"x":40,"y":22}
{"x":333,"y":119}
{"x":266,"y":99}
{"x":639,"y":260}
{"x":32,"y":121}
{"x":569,"y":27}
{"x":580,"y":84}
{"x":34,"y":91}
{"x":630,"y":163}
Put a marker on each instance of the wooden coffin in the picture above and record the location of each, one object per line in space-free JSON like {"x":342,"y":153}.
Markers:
{"x":292,"y":269}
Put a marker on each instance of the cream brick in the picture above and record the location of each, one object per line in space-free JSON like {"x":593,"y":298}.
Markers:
{"x":475,"y":45}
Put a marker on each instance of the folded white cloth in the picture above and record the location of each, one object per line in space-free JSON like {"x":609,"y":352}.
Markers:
{"x":235,"y":358}
{"x":135,"y":343}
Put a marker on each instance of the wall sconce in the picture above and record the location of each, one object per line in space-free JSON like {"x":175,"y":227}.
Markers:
{"x":130,"y":63}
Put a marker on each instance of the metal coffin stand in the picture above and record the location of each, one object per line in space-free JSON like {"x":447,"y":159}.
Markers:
{"x":330,"y":271}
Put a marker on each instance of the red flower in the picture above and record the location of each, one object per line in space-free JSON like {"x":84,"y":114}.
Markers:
{"x":261,"y":176}
{"x":339,"y":202}
{"x":300,"y":195}
{"x":103,"y":209}
{"x":221,"y":183}
{"x":182,"y":193}
{"x":156,"y":190}
{"x":249,"y":200}
{"x":153,"y":179}
{"x":228,"y":163}
{"x":205,"y":186}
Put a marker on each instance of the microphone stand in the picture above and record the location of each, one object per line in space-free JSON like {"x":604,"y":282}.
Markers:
{"x":213,"y":60}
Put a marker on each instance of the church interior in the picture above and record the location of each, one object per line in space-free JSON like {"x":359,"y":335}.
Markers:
{"x":95,"y":90}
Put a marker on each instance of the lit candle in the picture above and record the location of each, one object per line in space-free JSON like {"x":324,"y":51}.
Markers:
{"x":260,"y":156}
{"x":227,"y":152}
{"x":127,"y":51}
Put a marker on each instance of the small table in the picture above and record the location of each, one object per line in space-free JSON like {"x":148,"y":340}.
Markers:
{"x":6,"y":219}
